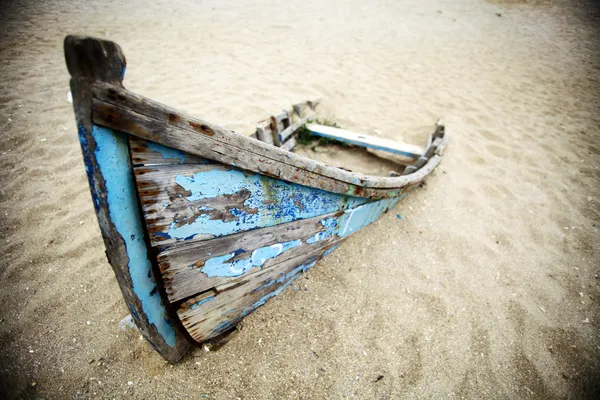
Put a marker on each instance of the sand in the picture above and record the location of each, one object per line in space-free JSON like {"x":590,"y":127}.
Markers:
{"x":487,"y":287}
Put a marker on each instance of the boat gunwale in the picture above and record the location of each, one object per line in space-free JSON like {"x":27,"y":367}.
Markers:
{"x":360,"y":185}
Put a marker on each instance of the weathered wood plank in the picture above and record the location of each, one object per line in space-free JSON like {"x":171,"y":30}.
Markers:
{"x":182,"y":266}
{"x":199,"y":202}
{"x":289,"y":144}
{"x":290,"y":130}
{"x":279,"y":123}
{"x":121,"y":109}
{"x":263,"y":132}
{"x":362,"y":140}
{"x":136,"y":124}
{"x":106,"y":158}
{"x":219,"y":310}
{"x":422,"y":160}
{"x":145,"y":152}
{"x":190,"y":269}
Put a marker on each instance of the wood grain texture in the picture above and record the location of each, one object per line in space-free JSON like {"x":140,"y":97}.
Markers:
{"x":193,"y":268}
{"x":187,"y":202}
{"x":279,"y":123}
{"x":181,"y":266}
{"x":264,"y":133}
{"x":121,"y":109}
{"x":217,"y":311}
{"x":362,"y":140}
{"x":107,"y":165}
{"x":136,"y":124}
{"x":145,"y":152}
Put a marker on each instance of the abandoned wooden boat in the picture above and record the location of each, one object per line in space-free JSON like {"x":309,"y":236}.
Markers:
{"x":202,"y":225}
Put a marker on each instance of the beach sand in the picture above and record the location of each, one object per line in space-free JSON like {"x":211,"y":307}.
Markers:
{"x":487,"y":287}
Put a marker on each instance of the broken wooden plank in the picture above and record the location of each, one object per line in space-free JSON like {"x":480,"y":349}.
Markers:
{"x":429,"y":152}
{"x":371,"y":142}
{"x":220,"y":268}
{"x":198,"y":202}
{"x":306,"y":108}
{"x":106,"y":158}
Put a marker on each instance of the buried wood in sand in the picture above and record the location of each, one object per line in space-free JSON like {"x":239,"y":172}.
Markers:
{"x":203,"y":225}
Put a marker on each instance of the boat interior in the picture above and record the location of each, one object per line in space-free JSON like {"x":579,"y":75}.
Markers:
{"x":301,"y":131}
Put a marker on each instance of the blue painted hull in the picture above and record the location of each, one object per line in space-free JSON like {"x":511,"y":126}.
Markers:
{"x":202,"y":225}
{"x":189,"y":205}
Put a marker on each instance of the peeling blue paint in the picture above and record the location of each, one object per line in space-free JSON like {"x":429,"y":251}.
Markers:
{"x":168,"y":153}
{"x":112,"y":155}
{"x":347,"y":223}
{"x":270,"y":202}
{"x":353,"y":220}
{"x":218,"y":266}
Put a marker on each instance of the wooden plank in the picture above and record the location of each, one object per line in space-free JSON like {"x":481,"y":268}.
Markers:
{"x":371,"y":142}
{"x":106,"y":158}
{"x":279,"y":123}
{"x":263,"y":132}
{"x":182,"y":266}
{"x":125,"y":120}
{"x":217,"y":311}
{"x":121,"y":109}
{"x":201,"y":276}
{"x":289,"y":144}
{"x":145,"y":152}
{"x":290,"y":130}
{"x":190,"y":269}
{"x":198,"y":202}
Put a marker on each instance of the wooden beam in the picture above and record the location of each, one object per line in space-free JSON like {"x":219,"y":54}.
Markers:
{"x":290,"y":130}
{"x":371,"y":142}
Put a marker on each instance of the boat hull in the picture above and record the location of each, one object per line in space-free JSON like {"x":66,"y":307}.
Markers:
{"x":202,"y":225}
